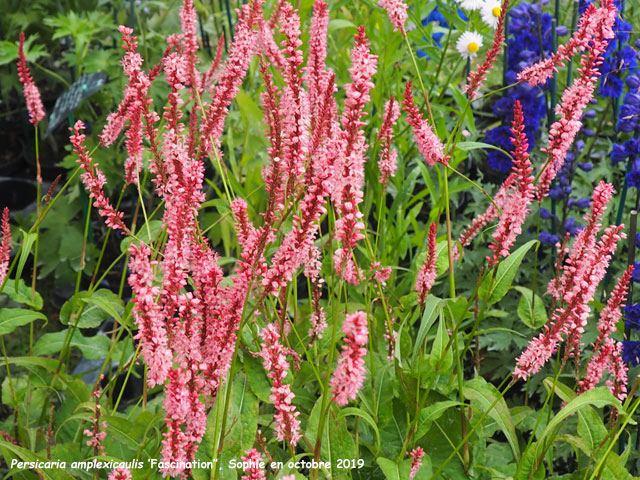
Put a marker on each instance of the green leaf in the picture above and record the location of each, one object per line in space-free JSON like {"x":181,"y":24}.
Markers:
{"x":92,"y":348}
{"x":439,"y":353}
{"x":9,"y":450}
{"x":105,"y":300}
{"x":529,"y":468}
{"x":243,"y":417}
{"x":22,"y":294}
{"x":100,"y":306}
{"x":12,"y":318}
{"x":339,"y":24}
{"x":390,"y":468}
{"x":442,"y":257}
{"x":494,"y":291}
{"x":357,"y":412}
{"x":488,"y":398}
{"x":154,"y":226}
{"x":430,"y":414}
{"x":466,"y":146}
{"x":614,"y":469}
{"x":590,"y":426}
{"x":534,"y":317}
{"x":598,"y":397}
{"x":27,"y":243}
{"x":258,"y":380}
{"x":432,"y":310}
{"x":340,"y":444}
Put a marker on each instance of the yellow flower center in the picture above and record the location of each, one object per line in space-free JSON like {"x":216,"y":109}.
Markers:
{"x":496,"y":11}
{"x":473,"y":47}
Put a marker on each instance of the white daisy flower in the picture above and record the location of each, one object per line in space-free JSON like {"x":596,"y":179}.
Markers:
{"x":490,"y":12}
{"x":468,"y":44}
{"x":471,"y":4}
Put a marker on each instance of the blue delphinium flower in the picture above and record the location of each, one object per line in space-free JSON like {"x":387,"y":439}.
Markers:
{"x":635,"y":275}
{"x":633,"y":174}
{"x":547,"y":238}
{"x":631,"y":352}
{"x":632,"y":316}
{"x":629,"y":115}
{"x":546,"y":214}
{"x":579,"y":204}
{"x":619,"y":60}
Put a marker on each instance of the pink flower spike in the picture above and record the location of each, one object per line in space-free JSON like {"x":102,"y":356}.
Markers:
{"x":429,"y":144}
{"x":570,"y":317}
{"x":31,"y":92}
{"x":147,"y":313}
{"x":315,"y":72}
{"x":604,"y":348}
{"x":120,"y":473}
{"x":516,"y":206}
{"x":387,"y":161}
{"x":397,"y":11}
{"x":348,"y":176}
{"x":348,"y":376}
{"x":416,"y":461}
{"x":477,"y":77}
{"x":579,"y":260}
{"x":428,"y":272}
{"x":254,"y":465}
{"x":595,"y":24}
{"x":234,"y":71}
{"x":274,"y":359}
{"x":94,"y":181}
{"x":5,"y":246}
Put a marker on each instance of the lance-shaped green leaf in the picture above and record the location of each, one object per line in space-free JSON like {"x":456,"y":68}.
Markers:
{"x":494,"y":289}
{"x":12,"y":318}
{"x":488,"y":398}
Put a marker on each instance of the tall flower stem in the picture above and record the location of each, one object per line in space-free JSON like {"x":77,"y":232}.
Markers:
{"x":441,"y":61}
{"x":37,"y":242}
{"x":452,"y":283}
{"x":418,"y":74}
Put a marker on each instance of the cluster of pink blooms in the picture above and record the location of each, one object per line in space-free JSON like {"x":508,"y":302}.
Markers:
{"x":349,"y":374}
{"x":94,"y":181}
{"x":98,"y":431}
{"x":428,"y":272}
{"x":31,"y":92}
{"x":253,"y":471}
{"x":416,"y":461}
{"x":274,"y":359}
{"x":387,"y":163}
{"x":120,"y":473}
{"x":607,"y":352}
{"x":379,"y":273}
{"x":5,"y":245}
{"x":245,"y":41}
{"x":596,"y":25}
{"x":478,"y":76}
{"x":516,"y":206}
{"x":348,"y":175}
{"x":584,"y":269}
{"x":134,"y":107}
{"x":397,"y":11}
{"x":592,"y":36}
{"x":428,"y":142}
